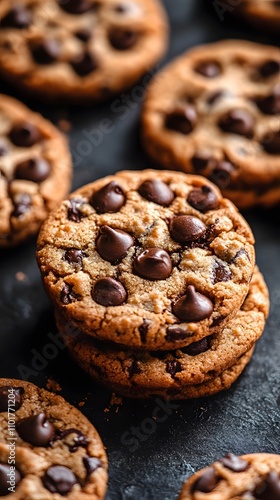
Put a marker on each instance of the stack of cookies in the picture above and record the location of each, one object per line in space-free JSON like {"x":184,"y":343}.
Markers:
{"x":154,"y":283}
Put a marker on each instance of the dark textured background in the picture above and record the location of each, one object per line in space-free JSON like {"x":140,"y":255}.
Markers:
{"x":245,"y":419}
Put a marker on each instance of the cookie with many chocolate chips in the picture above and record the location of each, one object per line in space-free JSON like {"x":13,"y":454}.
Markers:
{"x":263,"y":14}
{"x":35,"y":171}
{"x":215,"y":111}
{"x":58,"y":451}
{"x":151,"y":260}
{"x":171,"y":373}
{"x":249,"y":477}
{"x":79,"y":51}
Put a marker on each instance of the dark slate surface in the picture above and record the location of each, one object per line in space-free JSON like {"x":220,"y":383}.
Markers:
{"x":148,"y":459}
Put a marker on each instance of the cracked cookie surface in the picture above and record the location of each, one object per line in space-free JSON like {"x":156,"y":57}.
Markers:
{"x":35,"y":171}
{"x":215,"y":111}
{"x":183,"y":259}
{"x":58,"y":451}
{"x":79,"y":51}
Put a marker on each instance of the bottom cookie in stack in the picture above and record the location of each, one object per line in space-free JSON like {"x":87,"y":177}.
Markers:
{"x":200,"y":369}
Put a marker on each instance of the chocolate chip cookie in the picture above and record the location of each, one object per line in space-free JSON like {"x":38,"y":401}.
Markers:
{"x":249,"y":477}
{"x":215,"y":111}
{"x":35,"y":171}
{"x":263,"y":14}
{"x":48,"y":449}
{"x":152,"y":260}
{"x":79,"y":50}
{"x":172,"y":373}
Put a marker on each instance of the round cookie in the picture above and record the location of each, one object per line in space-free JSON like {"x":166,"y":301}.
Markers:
{"x":149,"y":259}
{"x":215,"y":111}
{"x":58,"y":451}
{"x":249,"y":477}
{"x":170,"y":373}
{"x":35,"y":171}
{"x":263,"y":14}
{"x":79,"y":51}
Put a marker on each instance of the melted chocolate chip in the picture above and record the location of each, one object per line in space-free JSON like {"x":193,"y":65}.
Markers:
{"x":269,"y":68}
{"x":209,"y":69}
{"x":123,"y":39}
{"x":46,"y":52}
{"x":207,"y":482}
{"x":176,"y":333}
{"x":270,"y":105}
{"x":91,"y":464}
{"x":84,"y":64}
{"x":203,"y":199}
{"x":183,"y":119}
{"x":84,"y":34}
{"x":221,"y":173}
{"x":74,"y":213}
{"x":109,"y":292}
{"x":4,"y":150}
{"x":196,"y":348}
{"x":234,"y":463}
{"x":134,"y":369}
{"x":173,"y":367}
{"x":200,"y":161}
{"x":113,"y":244}
{"x":110,"y":198}
{"x":67,"y":295}
{"x":36,"y":430}
{"x":193,"y":306}
{"x":215,"y":96}
{"x":74,"y":256}
{"x":238,"y":121}
{"x":22,"y":205}
{"x":59,"y":479}
{"x":76,"y":6}
{"x":25,"y":135}
{"x":186,"y":228}
{"x":153,"y":264}
{"x":220,"y":273}
{"x":271,"y":143}
{"x":73,"y":438}
{"x":156,"y":191}
{"x":18,"y":17}
{"x":35,"y":170}
{"x":5,"y":471}
{"x":143,"y":330}
{"x":269,"y":489}
{"x":13,"y":394}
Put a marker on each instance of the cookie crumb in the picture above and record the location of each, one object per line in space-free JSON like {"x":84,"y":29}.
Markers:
{"x":81,"y":403}
{"x":53,"y":386}
{"x":20,"y":276}
{"x":64,"y":125}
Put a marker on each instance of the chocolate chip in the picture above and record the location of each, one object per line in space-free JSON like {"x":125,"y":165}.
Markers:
{"x":13,"y":394}
{"x":5,"y":476}
{"x":216,"y":96}
{"x":221,"y":173}
{"x":76,"y":6}
{"x":153,"y":264}
{"x":110,"y":198}
{"x":238,"y":121}
{"x":209,"y":69}
{"x":270,"y":105}
{"x":183,"y":119}
{"x":203,"y":199}
{"x":271,"y":143}
{"x":91,"y":464}
{"x":18,"y":17}
{"x":200,"y":161}
{"x":123,"y":39}
{"x":113,"y":244}
{"x":134,"y":369}
{"x":269,"y":489}
{"x":73,"y":438}
{"x":269,"y":68}
{"x":207,"y":482}
{"x":25,"y":135}
{"x":196,"y":348}
{"x":22,"y":205}
{"x":175,"y":333}
{"x":4,"y":150}
{"x":85,"y":63}
{"x":173,"y":367}
{"x":59,"y":479}
{"x":36,"y":430}
{"x":84,"y":34}
{"x":35,"y":170}
{"x":156,"y":191}
{"x":74,"y":256}
{"x":186,"y":228}
{"x":46,"y":52}
{"x":143,"y":330}
{"x":193,"y":306}
{"x":74,"y":213}
{"x":67,"y":295}
{"x":220,"y":272}
{"x":109,"y":292}
{"x":234,"y":463}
